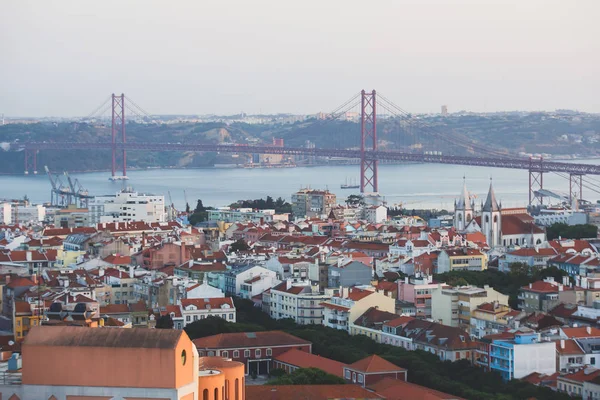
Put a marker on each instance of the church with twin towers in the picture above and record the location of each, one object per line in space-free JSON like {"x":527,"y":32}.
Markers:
{"x":502,"y":227}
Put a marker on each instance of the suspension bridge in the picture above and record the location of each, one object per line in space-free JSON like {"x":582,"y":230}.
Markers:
{"x":368,"y":151}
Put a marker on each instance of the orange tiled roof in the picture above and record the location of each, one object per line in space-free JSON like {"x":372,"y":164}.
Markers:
{"x":581,"y":332}
{"x":212,"y":303}
{"x":570,"y":347}
{"x":312,"y":392}
{"x":395,"y":389}
{"x":303,"y":359}
{"x":249,"y":339}
{"x":373,"y":364}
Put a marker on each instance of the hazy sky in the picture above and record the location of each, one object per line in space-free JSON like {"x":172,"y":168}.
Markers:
{"x":63,"y":58}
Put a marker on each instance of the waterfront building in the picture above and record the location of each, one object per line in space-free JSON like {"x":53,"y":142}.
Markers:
{"x":560,"y":215}
{"x":454,"y":306}
{"x":127,"y":206}
{"x":229,"y":215}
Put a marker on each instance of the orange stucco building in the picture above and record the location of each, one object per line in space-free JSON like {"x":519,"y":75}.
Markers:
{"x":75,"y":363}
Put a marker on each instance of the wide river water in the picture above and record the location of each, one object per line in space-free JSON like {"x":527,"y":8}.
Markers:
{"x":416,"y":185}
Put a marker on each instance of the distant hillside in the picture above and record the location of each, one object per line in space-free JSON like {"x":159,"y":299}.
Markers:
{"x":531,"y":133}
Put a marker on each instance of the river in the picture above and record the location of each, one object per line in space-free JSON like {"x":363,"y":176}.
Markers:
{"x":416,"y":185}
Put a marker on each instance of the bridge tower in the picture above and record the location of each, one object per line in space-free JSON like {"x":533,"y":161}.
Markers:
{"x":30,"y":161}
{"x":575,"y":187}
{"x":368,"y":140}
{"x":118,"y":123}
{"x":536,"y":181}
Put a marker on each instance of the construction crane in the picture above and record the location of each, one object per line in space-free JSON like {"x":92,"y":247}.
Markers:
{"x":78,"y":192}
{"x":172,"y":209}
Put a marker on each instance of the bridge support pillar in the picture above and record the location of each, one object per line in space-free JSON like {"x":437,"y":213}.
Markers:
{"x":368,"y":139}
{"x":575,"y":186}
{"x":536,"y":182}
{"x":30,"y":161}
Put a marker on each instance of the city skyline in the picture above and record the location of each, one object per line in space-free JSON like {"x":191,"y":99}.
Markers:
{"x":266,"y":58}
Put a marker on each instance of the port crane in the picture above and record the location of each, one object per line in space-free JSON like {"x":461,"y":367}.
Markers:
{"x":80,"y":195}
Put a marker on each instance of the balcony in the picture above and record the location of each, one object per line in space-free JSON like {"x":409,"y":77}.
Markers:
{"x":500,"y":367}
{"x":505,"y":355}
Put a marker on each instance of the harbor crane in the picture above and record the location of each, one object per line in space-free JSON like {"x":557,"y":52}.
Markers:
{"x":80,"y":195}
{"x":63,"y":195}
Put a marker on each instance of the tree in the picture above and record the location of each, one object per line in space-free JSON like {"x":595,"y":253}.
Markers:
{"x":200,"y":213}
{"x":164,"y":322}
{"x":355,"y":200}
{"x":565,"y":231}
{"x":307,"y":376}
{"x":239,"y":245}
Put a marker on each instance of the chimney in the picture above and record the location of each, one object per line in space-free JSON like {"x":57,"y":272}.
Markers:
{"x":531,"y":286}
{"x":28,"y":256}
{"x":562,"y":343}
{"x":34,"y":278}
{"x":588,"y":329}
{"x":190,"y":263}
{"x":101,"y":272}
{"x":131,"y":269}
{"x":7,"y":279}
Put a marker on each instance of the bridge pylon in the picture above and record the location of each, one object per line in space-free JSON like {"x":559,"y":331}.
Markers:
{"x":30,"y":161}
{"x":575,"y":187}
{"x":536,"y":182}
{"x":368,"y":139}
{"x":118,"y":124}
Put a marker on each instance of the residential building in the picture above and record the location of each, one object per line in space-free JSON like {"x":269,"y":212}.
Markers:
{"x":370,"y":323}
{"x":229,"y":215}
{"x":297,"y":300}
{"x":550,"y":216}
{"x":519,"y":356}
{"x":492,"y":318}
{"x":291,"y":266}
{"x":312,"y":203}
{"x":532,"y":256}
{"x":71,"y":217}
{"x":238,"y":280}
{"x":581,"y":384}
{"x":461,"y":259}
{"x":126,"y":206}
{"x":348,"y":273}
{"x":371,"y":370}
{"x":294,"y":359}
{"x":375,"y":214}
{"x":349,"y":304}
{"x":25,"y":316}
{"x":417,"y":290}
{"x":454,"y":306}
{"x":255,"y":350}
{"x":540,"y":296}
{"x":197,"y":309}
{"x":27,"y":213}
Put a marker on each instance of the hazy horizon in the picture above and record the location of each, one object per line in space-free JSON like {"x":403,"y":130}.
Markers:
{"x":63,"y":58}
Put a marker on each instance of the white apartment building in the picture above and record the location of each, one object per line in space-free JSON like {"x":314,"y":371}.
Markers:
{"x":375,"y":214}
{"x":14,"y":213}
{"x":550,"y":216}
{"x":227,"y":214}
{"x":197,"y":309}
{"x":297,"y":300}
{"x":340,"y":311}
{"x":127,"y":206}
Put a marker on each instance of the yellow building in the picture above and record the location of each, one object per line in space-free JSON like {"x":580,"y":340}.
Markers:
{"x":461,"y":259}
{"x":25,"y":316}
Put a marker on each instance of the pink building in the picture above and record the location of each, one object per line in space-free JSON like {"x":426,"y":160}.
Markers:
{"x":418,"y":290}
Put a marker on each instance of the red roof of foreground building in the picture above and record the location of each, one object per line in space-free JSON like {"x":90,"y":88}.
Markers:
{"x":578,"y":245}
{"x":394,"y":389}
{"x":531,"y":252}
{"x":303,"y":359}
{"x":374,"y":364}
{"x":117,"y":259}
{"x":541,"y":287}
{"x":358,"y":294}
{"x":568,"y":346}
{"x":215,"y":302}
{"x":581,"y":332}
{"x":312,"y":392}
{"x":249,"y":339}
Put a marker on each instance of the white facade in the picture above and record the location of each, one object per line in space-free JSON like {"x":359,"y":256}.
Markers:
{"x":375,"y":214}
{"x":227,"y":214}
{"x":203,"y":291}
{"x":304,"y":308}
{"x":5,"y":213}
{"x":538,"y":357}
{"x":196,"y":309}
{"x":548,"y":217}
{"x":127,"y":206}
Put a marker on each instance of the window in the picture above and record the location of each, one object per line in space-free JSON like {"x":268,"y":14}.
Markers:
{"x":230,"y":316}
{"x":224,"y":353}
{"x":347,"y":374}
{"x":216,"y":394}
{"x":236,"y":354}
{"x":593,"y":360}
{"x":269,"y":352}
{"x":360,"y":378}
{"x":205,"y":394}
{"x":354,"y":377}
{"x":211,"y":354}
{"x":195,"y":318}
{"x":183,"y":357}
{"x":257,"y":353}
{"x":246,"y":353}
{"x":237,"y":389}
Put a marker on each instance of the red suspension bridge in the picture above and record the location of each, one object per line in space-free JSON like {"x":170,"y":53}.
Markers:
{"x":368,"y":153}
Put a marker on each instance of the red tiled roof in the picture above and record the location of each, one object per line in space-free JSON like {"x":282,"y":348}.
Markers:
{"x":358,"y":294}
{"x":22,"y":307}
{"x":117,"y":259}
{"x":570,"y":347}
{"x":373,"y":364}
{"x":516,"y":224}
{"x":312,"y":392}
{"x":282,"y":287}
{"x":387,"y":286}
{"x":583,"y":375}
{"x":541,"y":287}
{"x":303,"y":359}
{"x":400,"y":321}
{"x":114,"y":309}
{"x":581,"y":332}
{"x":395,"y":389}
{"x":335,"y":306}
{"x":212,"y":303}
{"x":463,"y":252}
{"x":20,"y":282}
{"x":578,"y":245}
{"x":531,"y":252}
{"x":249,"y":339}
